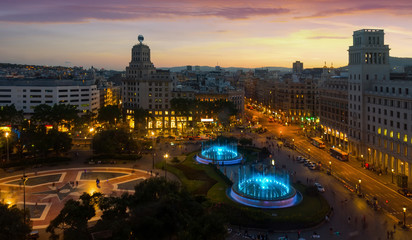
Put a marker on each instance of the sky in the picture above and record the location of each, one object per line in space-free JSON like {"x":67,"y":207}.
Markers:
{"x":228,"y":33}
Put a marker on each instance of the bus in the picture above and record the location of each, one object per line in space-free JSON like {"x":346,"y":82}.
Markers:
{"x":318,"y":142}
{"x":338,"y":154}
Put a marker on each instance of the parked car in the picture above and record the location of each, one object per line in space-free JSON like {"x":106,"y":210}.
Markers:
{"x":312,"y":166}
{"x":405,"y":192}
{"x":319,"y":187}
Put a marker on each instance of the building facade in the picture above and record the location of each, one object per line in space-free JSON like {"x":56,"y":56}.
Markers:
{"x":380,"y":108}
{"x":148,"y":88}
{"x":26,"y":94}
{"x":333,"y":100}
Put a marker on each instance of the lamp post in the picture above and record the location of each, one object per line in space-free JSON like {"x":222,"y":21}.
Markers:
{"x":153,"y":148}
{"x":360,"y":186}
{"x":393,"y":170}
{"x":402,"y":169}
{"x":309,"y":152}
{"x":369,"y":155}
{"x":330,"y":167}
{"x":24,"y":180}
{"x":166,"y":156}
{"x":361,"y":156}
{"x":7,"y":146}
{"x":91,"y":140}
{"x":404,"y":217}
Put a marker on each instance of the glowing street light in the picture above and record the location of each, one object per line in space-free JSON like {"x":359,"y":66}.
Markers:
{"x":393,"y":170}
{"x":7,"y":146}
{"x":404,"y":217}
{"x":360,"y":185}
{"x":330,"y":167}
{"x":166,"y":156}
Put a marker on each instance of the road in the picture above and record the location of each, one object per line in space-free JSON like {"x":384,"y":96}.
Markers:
{"x":372,"y":185}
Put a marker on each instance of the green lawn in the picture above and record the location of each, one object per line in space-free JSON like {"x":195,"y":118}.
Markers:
{"x":204,"y":180}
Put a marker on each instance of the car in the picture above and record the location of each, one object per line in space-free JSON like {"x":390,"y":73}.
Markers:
{"x":405,"y":192}
{"x":306,"y":162}
{"x":300,"y":159}
{"x":312,"y":166}
{"x":319,"y":187}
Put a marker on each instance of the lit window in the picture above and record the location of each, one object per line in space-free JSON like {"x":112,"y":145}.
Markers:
{"x":379,"y":130}
{"x":399,"y":136}
{"x":405,"y":138}
{"x":385,"y":132}
{"x":391,"y":134}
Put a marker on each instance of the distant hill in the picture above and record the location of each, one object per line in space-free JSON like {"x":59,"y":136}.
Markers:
{"x":230,"y":69}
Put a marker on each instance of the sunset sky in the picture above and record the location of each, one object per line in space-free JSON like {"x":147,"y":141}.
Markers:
{"x":190,"y":32}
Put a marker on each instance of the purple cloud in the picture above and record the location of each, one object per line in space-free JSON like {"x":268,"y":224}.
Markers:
{"x":397,"y":9}
{"x":328,"y":37}
{"x":57,"y":11}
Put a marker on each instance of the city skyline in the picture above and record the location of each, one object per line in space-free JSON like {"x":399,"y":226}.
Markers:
{"x":229,"y":34}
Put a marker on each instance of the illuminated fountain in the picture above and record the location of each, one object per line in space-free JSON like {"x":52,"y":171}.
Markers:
{"x":264,"y":188}
{"x":219,"y":153}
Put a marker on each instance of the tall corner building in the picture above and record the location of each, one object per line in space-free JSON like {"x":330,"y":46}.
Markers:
{"x":380,"y":108}
{"x":147,"y":87}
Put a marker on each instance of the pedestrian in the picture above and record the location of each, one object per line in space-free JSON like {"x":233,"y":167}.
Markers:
{"x":307,"y":180}
{"x":349,"y":220}
{"x":387,"y":235}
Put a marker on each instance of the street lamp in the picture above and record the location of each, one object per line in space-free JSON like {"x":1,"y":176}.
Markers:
{"x":24,"y":180}
{"x":153,"y":146}
{"x":360,"y":186}
{"x":404,"y":217}
{"x":166,"y":156}
{"x":330,"y":167}
{"x":362,"y":164}
{"x":393,"y":170}
{"x":7,"y":146}
{"x":91,"y":140}
{"x":309,"y":152}
{"x":402,"y":169}
{"x":369,"y":155}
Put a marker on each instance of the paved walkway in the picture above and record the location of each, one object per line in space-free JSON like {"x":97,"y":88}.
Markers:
{"x":48,"y":191}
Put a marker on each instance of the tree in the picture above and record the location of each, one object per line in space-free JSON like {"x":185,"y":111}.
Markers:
{"x":9,"y":115}
{"x":74,"y":216}
{"x":61,"y":141}
{"x":158,"y":209}
{"x":113,"y":141}
{"x":110,"y":114}
{"x":56,"y":115}
{"x":140,"y":117}
{"x":12,"y":223}
{"x":42,"y":114}
{"x":64,"y":114}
